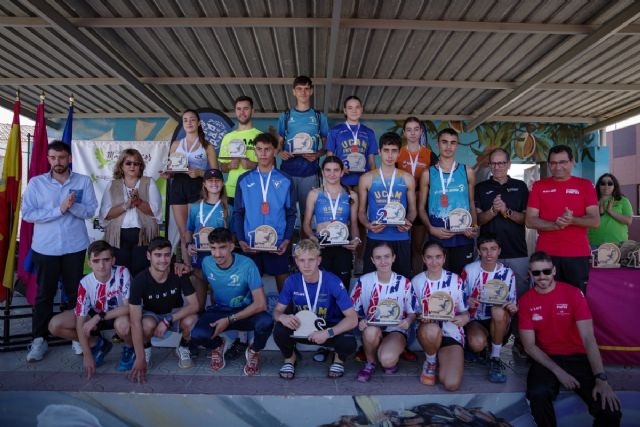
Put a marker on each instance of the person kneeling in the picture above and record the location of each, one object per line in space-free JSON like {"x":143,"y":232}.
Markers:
{"x":240,"y":302}
{"x":156,"y":303}
{"x":441,"y":340}
{"x":489,"y":319}
{"x":383,"y":297}
{"x":319,"y":295}
{"x":102,"y":304}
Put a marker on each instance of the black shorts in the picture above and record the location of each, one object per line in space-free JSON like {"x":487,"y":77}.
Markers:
{"x":486,"y":324}
{"x":184,"y":190}
{"x":104,"y":325}
{"x":447,"y":341}
{"x":405,"y":334}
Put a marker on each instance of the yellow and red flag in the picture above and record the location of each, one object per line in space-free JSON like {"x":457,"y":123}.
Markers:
{"x":10,"y":197}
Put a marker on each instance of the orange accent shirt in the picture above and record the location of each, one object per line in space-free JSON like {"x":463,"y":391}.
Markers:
{"x":424,"y":161}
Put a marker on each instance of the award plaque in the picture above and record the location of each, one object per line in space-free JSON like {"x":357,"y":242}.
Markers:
{"x":201,"y":239}
{"x":356,"y":162}
{"x":607,"y":255}
{"x":393,"y":213}
{"x":237,"y":149}
{"x":387,"y":313}
{"x":177,"y":162}
{"x":335,"y":233}
{"x":633,"y":260}
{"x":494,"y":292}
{"x":309,"y":323}
{"x":439,"y":307}
{"x":459,"y":220}
{"x":302,"y":143}
{"x":263,"y":238}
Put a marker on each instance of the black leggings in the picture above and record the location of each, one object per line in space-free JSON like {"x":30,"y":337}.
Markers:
{"x":129,"y":254}
{"x":338,"y":261}
{"x":343,"y":344}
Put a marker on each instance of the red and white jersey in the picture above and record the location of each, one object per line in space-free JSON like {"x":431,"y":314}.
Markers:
{"x":448,"y":282}
{"x":369,"y":292}
{"x":102,"y":297}
{"x":474,"y":279}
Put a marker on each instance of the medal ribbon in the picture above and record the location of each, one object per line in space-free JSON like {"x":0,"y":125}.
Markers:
{"x":413,"y":162}
{"x":355,"y":135}
{"x":334,"y":208}
{"x":263,"y":187}
{"x":444,"y":186}
{"x":306,"y":293}
{"x":393,"y":179}
{"x":204,"y":221}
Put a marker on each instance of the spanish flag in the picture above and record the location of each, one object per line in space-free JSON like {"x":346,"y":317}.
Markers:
{"x":10,"y":197}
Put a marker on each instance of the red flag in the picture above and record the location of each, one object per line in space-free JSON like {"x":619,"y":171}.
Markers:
{"x":39,"y":165}
{"x":10,"y":197}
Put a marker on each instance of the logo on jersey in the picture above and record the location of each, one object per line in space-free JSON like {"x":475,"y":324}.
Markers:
{"x":234,"y":280}
{"x":572,"y":191}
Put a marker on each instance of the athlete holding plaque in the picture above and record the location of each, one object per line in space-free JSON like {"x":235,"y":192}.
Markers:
{"x":446,"y":190}
{"x":264,"y":213}
{"x":321,"y":309}
{"x":385,"y":302}
{"x":490,"y":292}
{"x":388,"y":206}
{"x":336,"y":212}
{"x":441,"y":340}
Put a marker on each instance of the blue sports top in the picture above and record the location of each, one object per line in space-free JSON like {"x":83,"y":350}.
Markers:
{"x":232,"y":286}
{"x":323,"y":208}
{"x":340,"y":142}
{"x":197,"y":158}
{"x":377,"y":199}
{"x":302,"y":122}
{"x":216,"y":219}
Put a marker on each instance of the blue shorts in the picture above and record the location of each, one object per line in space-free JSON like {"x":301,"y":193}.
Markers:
{"x":270,"y":263}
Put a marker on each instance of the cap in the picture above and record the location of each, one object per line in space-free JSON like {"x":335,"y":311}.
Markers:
{"x":213,"y":173}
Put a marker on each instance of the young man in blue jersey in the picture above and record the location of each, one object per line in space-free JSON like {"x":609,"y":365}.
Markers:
{"x":264,"y":196}
{"x":376,"y":190}
{"x":444,"y":187}
{"x":296,"y":122}
{"x":240,"y":302}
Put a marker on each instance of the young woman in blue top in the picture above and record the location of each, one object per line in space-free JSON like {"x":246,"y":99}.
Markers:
{"x":322,"y":202}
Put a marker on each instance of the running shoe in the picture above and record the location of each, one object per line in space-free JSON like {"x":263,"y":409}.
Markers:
{"x":217,"y":356}
{"x":184,"y":355}
{"x":428,"y":375}
{"x":37,"y":350}
{"x":496,"y":371}
{"x":76,"y":347}
{"x":127,"y":358}
{"x":100,"y":350}
{"x":252,"y":367}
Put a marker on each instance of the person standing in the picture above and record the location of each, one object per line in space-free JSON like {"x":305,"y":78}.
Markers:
{"x":58,"y":202}
{"x":616,"y":213}
{"x":561,"y":208}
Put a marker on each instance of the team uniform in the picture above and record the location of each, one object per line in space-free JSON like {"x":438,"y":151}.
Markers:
{"x":368,"y":292}
{"x":98,"y":297}
{"x":204,"y":214}
{"x":184,"y":189}
{"x":247,"y":136}
{"x":345,"y":141}
{"x":415,"y":164}
{"x":452,"y":284}
{"x":232,"y":287}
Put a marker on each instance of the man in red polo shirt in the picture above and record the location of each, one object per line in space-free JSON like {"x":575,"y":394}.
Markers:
{"x":557,"y":333}
{"x":561,"y":208}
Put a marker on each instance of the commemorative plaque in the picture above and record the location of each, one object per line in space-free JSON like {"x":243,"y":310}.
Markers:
{"x":393,"y":213}
{"x":177,"y":162}
{"x":301,"y":143}
{"x":387,"y":313}
{"x":356,"y":162}
{"x":494,"y":292}
{"x":459,"y":220}
{"x":237,"y":149}
{"x":335,"y":233}
{"x":201,"y":239}
{"x":309,"y":323}
{"x":263,"y":238}
{"x":439,"y":306}
{"x":607,"y":255}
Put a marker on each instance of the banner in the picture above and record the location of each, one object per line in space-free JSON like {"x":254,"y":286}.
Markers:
{"x":215,"y":125}
{"x":97,"y":159}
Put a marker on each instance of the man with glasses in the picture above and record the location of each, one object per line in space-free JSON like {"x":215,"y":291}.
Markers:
{"x":557,"y":332}
{"x":561,"y":208}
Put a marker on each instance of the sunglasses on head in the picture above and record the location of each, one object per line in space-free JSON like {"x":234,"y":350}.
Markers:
{"x":607,"y":183}
{"x":545,"y":271}
{"x":129,"y":163}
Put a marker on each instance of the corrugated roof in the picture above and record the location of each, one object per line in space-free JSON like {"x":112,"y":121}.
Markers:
{"x":475,"y":60}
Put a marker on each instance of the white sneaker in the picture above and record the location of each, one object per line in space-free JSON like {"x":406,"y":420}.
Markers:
{"x":37,"y":349}
{"x":147,"y":355}
{"x":184,"y":355}
{"x":76,"y":347}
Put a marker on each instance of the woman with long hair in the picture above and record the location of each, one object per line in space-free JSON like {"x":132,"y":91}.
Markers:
{"x":616,"y":213}
{"x":131,"y":208}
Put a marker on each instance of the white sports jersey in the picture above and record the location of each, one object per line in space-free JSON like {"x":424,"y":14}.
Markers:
{"x":474,"y":278}
{"x":102,"y":297}
{"x":448,"y":282}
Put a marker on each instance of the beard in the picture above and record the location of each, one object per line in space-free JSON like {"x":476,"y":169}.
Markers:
{"x":60,"y":169}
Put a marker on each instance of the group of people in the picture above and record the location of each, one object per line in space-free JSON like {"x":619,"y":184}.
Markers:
{"x":136,"y":289}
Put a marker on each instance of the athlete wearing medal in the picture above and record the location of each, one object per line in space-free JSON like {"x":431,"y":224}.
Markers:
{"x":379,"y":190}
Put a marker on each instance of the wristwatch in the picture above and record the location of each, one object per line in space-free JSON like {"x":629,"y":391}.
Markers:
{"x":330,"y":332}
{"x":601,"y":376}
{"x":102,"y":315}
{"x":232,"y":318}
{"x":508,"y":214}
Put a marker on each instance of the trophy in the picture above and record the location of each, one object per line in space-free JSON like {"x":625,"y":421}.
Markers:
{"x":607,"y":255}
{"x":237,"y":149}
{"x":309,"y":323}
{"x":494,"y":292}
{"x":177,"y":162}
{"x":633,"y":260}
{"x":302,"y":143}
{"x":387,"y":313}
{"x":393,"y":213}
{"x":356,"y":162}
{"x":263,"y":238}
{"x":201,"y":239}
{"x":439,"y":306}
{"x":459,"y":220}
{"x":335,"y":233}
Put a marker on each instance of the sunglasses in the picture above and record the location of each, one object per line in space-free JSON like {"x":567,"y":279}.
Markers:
{"x":132,"y":163}
{"x":545,"y":271}
{"x":607,"y":183}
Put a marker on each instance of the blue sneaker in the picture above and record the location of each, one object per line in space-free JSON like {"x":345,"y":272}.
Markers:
{"x":496,"y":371}
{"x":100,"y":350}
{"x":127,"y":359}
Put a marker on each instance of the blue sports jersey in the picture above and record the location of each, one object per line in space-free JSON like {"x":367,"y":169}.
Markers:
{"x":377,"y":200}
{"x":215,"y":220}
{"x":247,"y":214}
{"x":322,"y":209}
{"x":232,"y":286}
{"x":340,"y":143}
{"x":332,"y":300}
{"x":302,"y":122}
{"x":458,"y":197}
